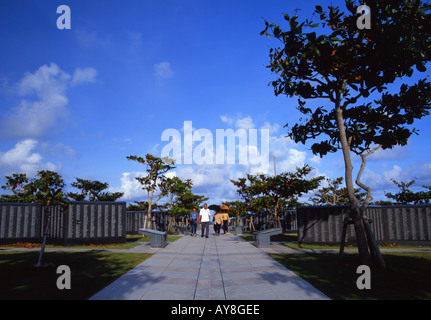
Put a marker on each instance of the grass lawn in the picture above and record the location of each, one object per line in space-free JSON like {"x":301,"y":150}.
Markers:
{"x":407,"y":277}
{"x":131,"y":242}
{"x":90,"y":272}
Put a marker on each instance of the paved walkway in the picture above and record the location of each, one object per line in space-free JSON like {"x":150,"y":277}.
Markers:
{"x":218,"y":268}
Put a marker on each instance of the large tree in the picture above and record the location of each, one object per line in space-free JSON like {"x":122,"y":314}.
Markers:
{"x":350,"y":74}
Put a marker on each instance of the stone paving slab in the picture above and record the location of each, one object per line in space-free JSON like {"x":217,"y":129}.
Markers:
{"x":218,"y":268}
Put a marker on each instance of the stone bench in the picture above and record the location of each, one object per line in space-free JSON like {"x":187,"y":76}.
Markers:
{"x":159,"y":239}
{"x":262,"y":238}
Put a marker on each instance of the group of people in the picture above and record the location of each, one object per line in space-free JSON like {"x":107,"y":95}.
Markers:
{"x":220,"y":218}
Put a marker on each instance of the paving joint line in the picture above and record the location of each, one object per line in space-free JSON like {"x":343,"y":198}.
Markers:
{"x":200,"y":268}
{"x":219,"y":265}
{"x":154,"y":281}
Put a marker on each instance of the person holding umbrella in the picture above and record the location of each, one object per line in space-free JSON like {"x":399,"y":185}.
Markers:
{"x":225,"y":218}
{"x":217,"y":218}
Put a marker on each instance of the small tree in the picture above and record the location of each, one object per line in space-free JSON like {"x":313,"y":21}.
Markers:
{"x":46,"y":188}
{"x":155,"y":178}
{"x":348,"y":70}
{"x":16,"y":184}
{"x":333,"y":195}
{"x":93,"y":190}
{"x":188,"y":200}
{"x":181,"y":199}
{"x":406,"y":196}
{"x":175,"y":187}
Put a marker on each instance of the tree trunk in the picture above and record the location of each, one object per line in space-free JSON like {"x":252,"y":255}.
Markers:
{"x":361,"y":236}
{"x":148,"y":224}
{"x":277,"y":223}
{"x":145,"y":221}
{"x":355,"y":211}
{"x":251,"y":224}
{"x":343,"y":237}
{"x":45,"y":236}
{"x":376,"y":256}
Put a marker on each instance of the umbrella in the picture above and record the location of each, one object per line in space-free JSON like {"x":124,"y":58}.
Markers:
{"x":214,"y":207}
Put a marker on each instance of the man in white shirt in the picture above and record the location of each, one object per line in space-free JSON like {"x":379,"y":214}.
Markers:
{"x":205,"y":220}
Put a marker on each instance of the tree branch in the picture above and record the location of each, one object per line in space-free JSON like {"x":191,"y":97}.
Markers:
{"x":315,"y":80}
{"x":358,"y":177}
{"x":346,"y":103}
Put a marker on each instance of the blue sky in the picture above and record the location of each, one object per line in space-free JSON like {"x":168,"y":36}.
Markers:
{"x":80,"y":101}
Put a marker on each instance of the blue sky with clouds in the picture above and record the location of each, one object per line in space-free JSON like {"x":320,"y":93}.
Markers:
{"x":80,"y":101}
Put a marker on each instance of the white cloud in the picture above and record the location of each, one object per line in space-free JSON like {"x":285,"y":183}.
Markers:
{"x":315,"y":160}
{"x":293,"y":159}
{"x":272,"y":127}
{"x":424,"y":174}
{"x":131,"y":187}
{"x":23,"y":158}
{"x":227,"y":119}
{"x":36,"y":118}
{"x":244,"y":123}
{"x":382,"y":180}
{"x":163,"y":70}
{"x":57,"y":150}
{"x":213,"y":181}
{"x":83,"y":76}
{"x":204,"y":175}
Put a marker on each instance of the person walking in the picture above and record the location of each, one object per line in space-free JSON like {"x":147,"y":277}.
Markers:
{"x":217,"y":218}
{"x":225,"y":218}
{"x":193,"y":222}
{"x":204,"y":218}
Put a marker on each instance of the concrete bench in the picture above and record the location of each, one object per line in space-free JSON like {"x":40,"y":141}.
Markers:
{"x":159,"y":239}
{"x":262,"y":238}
